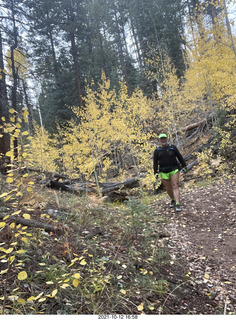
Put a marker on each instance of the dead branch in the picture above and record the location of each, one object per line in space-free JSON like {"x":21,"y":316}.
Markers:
{"x":33,"y":223}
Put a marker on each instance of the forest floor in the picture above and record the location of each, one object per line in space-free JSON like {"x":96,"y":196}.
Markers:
{"x":130,"y":258}
{"x":203,"y":237}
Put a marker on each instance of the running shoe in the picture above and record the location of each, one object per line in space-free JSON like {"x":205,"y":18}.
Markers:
{"x":172,"y":204}
{"x":178,"y":208}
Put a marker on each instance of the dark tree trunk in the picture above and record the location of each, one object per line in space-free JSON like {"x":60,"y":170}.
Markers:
{"x":4,"y":113}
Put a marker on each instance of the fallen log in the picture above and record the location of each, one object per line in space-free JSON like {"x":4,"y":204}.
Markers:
{"x":32,"y":223}
{"x":194,"y":125}
{"x":129,"y":183}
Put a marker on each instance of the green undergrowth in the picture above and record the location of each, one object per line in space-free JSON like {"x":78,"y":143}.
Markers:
{"x":107,"y":258}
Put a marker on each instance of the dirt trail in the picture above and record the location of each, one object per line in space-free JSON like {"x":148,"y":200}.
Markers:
{"x":204,"y":235}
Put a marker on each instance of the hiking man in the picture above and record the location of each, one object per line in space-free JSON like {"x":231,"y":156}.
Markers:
{"x":166,"y":161}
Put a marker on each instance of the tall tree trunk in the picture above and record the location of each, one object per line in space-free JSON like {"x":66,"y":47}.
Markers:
{"x":138,"y":52}
{"x":121,"y":52}
{"x":4,"y":113}
{"x":74,"y":50}
{"x":29,"y":107}
{"x":229,"y":28}
{"x":14,"y":72}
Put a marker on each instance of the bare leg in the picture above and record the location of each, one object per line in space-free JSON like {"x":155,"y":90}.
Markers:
{"x":175,"y":186}
{"x":168,"y":187}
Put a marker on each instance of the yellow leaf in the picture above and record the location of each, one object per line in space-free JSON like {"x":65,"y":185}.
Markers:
{"x":140,"y":307}
{"x":2,"y":224}
{"x":76,"y":276}
{"x":26,"y":216}
{"x":18,"y":125}
{"x":22,"y":275}
{"x":25,"y":240}
{"x":12,"y":111}
{"x":12,"y":225}
{"x":25,"y":133}
{"x":75,"y":283}
{"x":3,"y":194}
{"x":9,"y":180}
{"x":25,"y":175}
{"x":32,"y":298}
{"x":21,"y":301}
{"x":20,"y":251}
{"x":151,"y":308}
{"x":29,"y":189}
{"x":6,"y":199}
{"x":3,"y":271}
{"x":16,"y":213}
{"x":3,"y":119}
{"x":9,"y":250}
{"x":42,"y":299}
{"x":206,"y":276}
{"x":123,"y":291}
{"x":49,"y":282}
{"x":39,"y":296}
{"x":65,"y":285}
{"x":83,"y":262}
{"x":54,"y":293}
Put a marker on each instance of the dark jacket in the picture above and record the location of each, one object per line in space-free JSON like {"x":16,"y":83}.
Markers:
{"x":167,"y":159}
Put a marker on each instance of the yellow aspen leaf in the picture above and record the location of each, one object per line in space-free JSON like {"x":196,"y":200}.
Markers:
{"x":25,"y":240}
{"x":20,"y":251}
{"x":12,"y":259}
{"x":14,"y":244}
{"x":151,"y":308}
{"x":6,"y":217}
{"x":12,"y":225}
{"x":3,"y":119}
{"x":83,"y":262}
{"x":19,"y":194}
{"x":3,"y":194}
{"x":206,"y":276}
{"x":24,"y":154}
{"x":18,"y":125}
{"x":76,"y":275}
{"x":140,"y":307}
{"x":6,"y":199}
{"x":75,"y":283}
{"x":42,"y":299}
{"x":22,"y":275}
{"x":12,"y":110}
{"x":25,"y":133}
{"x":16,"y":213}
{"x":31,"y":182}
{"x":3,"y":271}
{"x":49,"y":282}
{"x":25,"y":175}
{"x":2,"y":224}
{"x":54,"y":292}
{"x":26,"y":216}
{"x":29,"y":189}
{"x":39,"y":296}
{"x":65,"y":285}
{"x":21,"y":301}
{"x":32,"y":298}
{"x":9,"y":180}
{"x":9,"y":250}
{"x":123,"y":291}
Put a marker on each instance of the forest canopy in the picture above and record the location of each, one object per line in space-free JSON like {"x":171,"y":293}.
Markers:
{"x":102,"y":77}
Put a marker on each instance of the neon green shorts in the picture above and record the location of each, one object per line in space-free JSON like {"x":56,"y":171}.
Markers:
{"x":168,"y":175}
